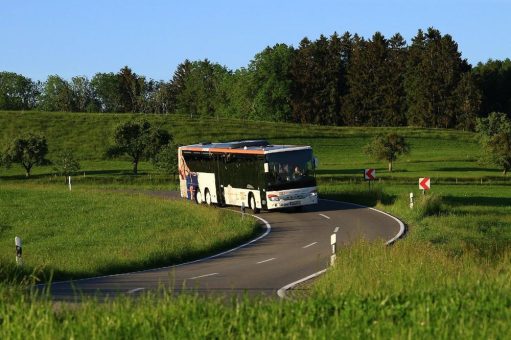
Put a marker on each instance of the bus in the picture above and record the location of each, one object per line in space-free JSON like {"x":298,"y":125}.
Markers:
{"x":248,"y":173}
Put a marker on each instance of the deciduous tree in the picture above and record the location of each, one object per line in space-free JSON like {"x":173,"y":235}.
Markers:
{"x":495,"y":137}
{"x":65,"y":164}
{"x":28,"y":150}
{"x":16,"y":92}
{"x":387,"y":147}
{"x":139,"y":140}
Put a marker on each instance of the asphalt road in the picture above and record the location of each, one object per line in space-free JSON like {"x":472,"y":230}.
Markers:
{"x":295,"y":245}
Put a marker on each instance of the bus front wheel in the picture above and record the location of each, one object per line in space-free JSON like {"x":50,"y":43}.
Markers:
{"x":198,"y":197}
{"x":253,"y":206}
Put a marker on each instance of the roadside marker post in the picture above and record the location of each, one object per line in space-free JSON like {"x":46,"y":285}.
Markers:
{"x":333,"y":242}
{"x":411,"y":200}
{"x":69,"y":182}
{"x":17,"y":242}
{"x":242,"y":209}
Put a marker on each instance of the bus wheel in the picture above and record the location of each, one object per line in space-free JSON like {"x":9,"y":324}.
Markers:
{"x":208,"y":197}
{"x":253,"y":204}
{"x":198,"y":197}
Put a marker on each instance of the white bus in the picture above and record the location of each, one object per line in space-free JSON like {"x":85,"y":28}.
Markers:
{"x":250,"y":173}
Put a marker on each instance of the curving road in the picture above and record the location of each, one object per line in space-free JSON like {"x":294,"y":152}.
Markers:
{"x":294,"y":246}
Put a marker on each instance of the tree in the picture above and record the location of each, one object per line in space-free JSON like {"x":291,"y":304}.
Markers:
{"x":494,"y":80}
{"x":495,"y":137}
{"x":83,"y":95}
{"x":433,"y":72}
{"x":131,"y":88}
{"x":16,"y":92}
{"x":387,"y":147}
{"x":368,"y":80}
{"x":318,"y":79}
{"x":27,"y":150}
{"x":57,"y":95}
{"x":65,"y":163}
{"x":468,"y":98}
{"x":138,"y":140}
{"x":166,"y":160}
{"x":106,"y":91}
{"x":240,"y":92}
{"x":272,"y":83}
{"x":201,"y":93}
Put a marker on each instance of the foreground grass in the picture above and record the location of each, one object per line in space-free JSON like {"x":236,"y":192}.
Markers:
{"x":89,"y":232}
{"x":406,"y":291}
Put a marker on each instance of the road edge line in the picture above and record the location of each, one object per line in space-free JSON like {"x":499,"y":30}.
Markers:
{"x":282,"y":291}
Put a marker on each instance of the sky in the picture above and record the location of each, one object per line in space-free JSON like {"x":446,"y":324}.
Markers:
{"x":71,"y":37}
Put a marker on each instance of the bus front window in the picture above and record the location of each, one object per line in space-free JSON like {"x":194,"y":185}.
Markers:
{"x":290,"y":169}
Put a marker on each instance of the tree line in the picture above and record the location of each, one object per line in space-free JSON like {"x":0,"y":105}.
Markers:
{"x":337,"y":80}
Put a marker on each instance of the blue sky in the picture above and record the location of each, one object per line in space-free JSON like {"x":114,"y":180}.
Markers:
{"x":72,"y":37}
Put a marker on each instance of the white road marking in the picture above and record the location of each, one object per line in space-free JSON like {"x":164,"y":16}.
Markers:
{"x":336,"y":229}
{"x":205,"y":275}
{"x":307,"y":246}
{"x":135,"y":290}
{"x":273,"y":258}
{"x":325,"y":216}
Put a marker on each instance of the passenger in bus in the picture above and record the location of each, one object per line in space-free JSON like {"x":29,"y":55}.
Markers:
{"x":297,"y":172}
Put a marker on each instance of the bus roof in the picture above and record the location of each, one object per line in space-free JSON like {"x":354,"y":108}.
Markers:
{"x":254,"y":147}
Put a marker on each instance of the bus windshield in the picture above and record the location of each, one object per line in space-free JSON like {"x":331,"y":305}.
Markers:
{"x":290,"y":169}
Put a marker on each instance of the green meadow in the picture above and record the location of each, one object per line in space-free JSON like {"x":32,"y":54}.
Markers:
{"x":448,"y":277}
{"x":88,"y":232}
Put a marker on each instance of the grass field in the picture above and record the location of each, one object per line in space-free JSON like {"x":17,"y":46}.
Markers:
{"x":88,"y":232}
{"x":449,"y":277}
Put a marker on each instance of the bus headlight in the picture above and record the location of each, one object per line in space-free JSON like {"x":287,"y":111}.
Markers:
{"x":273,"y":198}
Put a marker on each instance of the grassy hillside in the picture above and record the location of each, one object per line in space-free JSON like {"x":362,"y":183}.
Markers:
{"x":444,"y":155}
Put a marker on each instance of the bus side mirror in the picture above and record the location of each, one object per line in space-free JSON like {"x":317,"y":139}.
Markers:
{"x":315,"y":161}
{"x":266,"y":168}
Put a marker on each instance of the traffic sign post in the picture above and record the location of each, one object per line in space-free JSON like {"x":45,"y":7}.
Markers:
{"x":424,"y":184}
{"x":369,"y":175}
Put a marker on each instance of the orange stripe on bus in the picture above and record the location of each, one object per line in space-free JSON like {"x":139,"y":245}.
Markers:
{"x":224,"y":150}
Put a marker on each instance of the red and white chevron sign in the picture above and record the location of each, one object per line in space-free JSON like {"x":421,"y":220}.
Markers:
{"x":424,"y":183}
{"x":370,"y":174}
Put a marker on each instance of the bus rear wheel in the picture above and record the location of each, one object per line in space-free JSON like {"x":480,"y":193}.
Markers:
{"x":208,"y":197}
{"x":253,"y":206}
